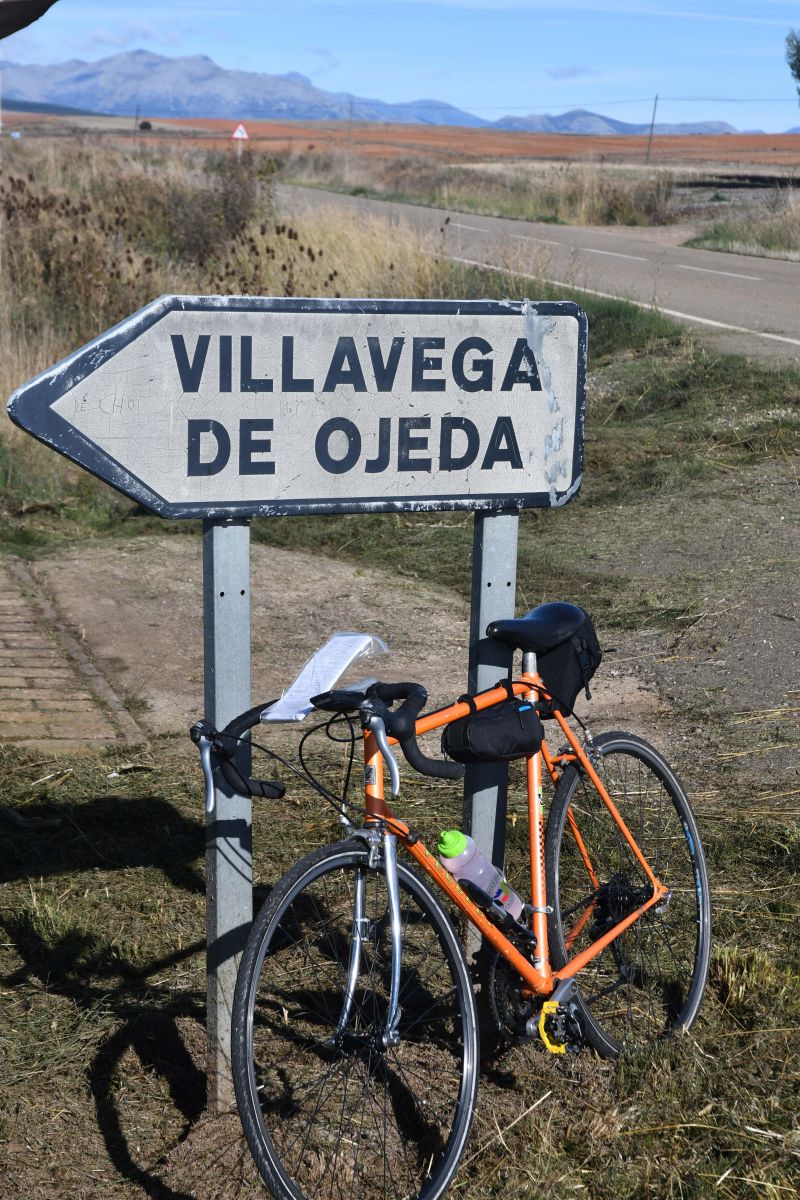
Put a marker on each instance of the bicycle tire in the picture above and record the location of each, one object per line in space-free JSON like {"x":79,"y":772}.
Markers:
{"x":357,"y":1119}
{"x":649,"y":982}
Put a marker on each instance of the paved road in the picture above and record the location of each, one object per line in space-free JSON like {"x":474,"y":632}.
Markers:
{"x":749,"y":304}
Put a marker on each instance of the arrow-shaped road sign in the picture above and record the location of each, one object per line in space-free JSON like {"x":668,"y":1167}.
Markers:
{"x":224,"y":406}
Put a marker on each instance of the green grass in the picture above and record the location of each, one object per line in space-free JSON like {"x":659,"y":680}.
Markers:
{"x":776,"y":233}
{"x":614,"y":325}
{"x":663,"y":412}
{"x":517,"y":203}
{"x":663,"y":417}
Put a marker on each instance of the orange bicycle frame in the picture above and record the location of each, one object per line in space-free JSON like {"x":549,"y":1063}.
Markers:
{"x":537,"y":973}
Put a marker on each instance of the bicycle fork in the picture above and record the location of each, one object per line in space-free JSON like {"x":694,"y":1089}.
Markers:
{"x":361,"y":931}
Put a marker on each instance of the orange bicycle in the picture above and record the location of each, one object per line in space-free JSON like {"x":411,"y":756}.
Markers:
{"x":355,"y":1032}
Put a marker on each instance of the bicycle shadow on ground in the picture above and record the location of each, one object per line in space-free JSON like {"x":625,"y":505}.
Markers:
{"x":104,"y":833}
{"x":155,"y":1042}
{"x":146,"y":1019}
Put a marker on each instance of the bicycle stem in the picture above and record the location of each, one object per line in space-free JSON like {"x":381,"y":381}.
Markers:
{"x":377,"y":727}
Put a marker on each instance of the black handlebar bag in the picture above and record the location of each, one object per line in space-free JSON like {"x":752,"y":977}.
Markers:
{"x":498,"y":734}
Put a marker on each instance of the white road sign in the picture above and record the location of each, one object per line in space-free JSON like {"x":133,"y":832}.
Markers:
{"x":240,"y":134}
{"x":237,"y":406}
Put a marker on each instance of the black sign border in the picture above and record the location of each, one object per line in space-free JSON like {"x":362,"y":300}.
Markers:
{"x":30,"y":407}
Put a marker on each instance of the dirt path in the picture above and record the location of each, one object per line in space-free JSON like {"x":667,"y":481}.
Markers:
{"x":718,"y":692}
{"x":112,"y":648}
{"x":137,"y":607}
{"x":131,"y":614}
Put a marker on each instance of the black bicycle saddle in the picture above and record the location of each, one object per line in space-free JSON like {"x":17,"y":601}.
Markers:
{"x":541,"y":629}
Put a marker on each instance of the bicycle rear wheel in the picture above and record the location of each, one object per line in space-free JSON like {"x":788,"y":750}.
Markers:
{"x":649,"y":981}
{"x":346,"y":1116}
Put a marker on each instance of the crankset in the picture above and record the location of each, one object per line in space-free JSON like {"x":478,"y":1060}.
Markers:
{"x":511,"y":1010}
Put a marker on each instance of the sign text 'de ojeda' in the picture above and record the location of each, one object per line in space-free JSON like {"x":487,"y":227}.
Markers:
{"x":207,"y":406}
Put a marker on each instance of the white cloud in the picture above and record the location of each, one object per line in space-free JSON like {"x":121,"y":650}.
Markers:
{"x":120,"y":37}
{"x":721,"y":10}
{"x":326,"y":61}
{"x":572,"y":72}
{"x":130,"y":36}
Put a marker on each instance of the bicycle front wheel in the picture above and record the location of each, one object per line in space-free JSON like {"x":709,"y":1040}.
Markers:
{"x":328,"y":1109}
{"x":649,"y":981}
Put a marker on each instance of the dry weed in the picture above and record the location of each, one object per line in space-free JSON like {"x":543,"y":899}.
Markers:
{"x":92,"y":235}
{"x":574,"y":193}
{"x":772,"y":234}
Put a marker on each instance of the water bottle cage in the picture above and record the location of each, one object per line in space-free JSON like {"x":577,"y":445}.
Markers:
{"x":499,"y":915}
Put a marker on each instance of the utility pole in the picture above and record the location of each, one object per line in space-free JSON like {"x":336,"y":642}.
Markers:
{"x":349,"y":142}
{"x":650,"y":135}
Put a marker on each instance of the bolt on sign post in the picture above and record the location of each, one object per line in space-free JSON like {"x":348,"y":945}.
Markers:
{"x":226,"y":408}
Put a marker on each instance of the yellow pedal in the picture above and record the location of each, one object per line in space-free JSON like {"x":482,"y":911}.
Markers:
{"x":549,"y":1009}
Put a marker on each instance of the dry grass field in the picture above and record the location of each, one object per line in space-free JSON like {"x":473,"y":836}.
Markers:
{"x":736,"y":192}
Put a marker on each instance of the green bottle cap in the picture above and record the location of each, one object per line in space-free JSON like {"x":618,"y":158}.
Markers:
{"x":452,"y":843}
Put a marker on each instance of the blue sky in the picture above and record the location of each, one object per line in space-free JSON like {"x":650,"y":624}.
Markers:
{"x":706,"y":59}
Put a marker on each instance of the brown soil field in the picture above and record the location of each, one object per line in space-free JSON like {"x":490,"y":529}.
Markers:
{"x":440,"y":141}
{"x":449,"y":142}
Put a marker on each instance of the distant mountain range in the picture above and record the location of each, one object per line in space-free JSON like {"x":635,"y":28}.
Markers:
{"x":579,"y":120}
{"x":156,"y":86}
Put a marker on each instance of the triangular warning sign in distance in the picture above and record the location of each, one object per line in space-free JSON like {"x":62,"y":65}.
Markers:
{"x":240,"y":134}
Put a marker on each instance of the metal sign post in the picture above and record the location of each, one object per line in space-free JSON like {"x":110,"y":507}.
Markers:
{"x":232,"y":407}
{"x":229,"y":850}
{"x":494,"y":581}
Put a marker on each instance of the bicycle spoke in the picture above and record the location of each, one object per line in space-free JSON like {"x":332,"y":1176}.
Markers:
{"x":344,"y":1116}
{"x":650,"y":978}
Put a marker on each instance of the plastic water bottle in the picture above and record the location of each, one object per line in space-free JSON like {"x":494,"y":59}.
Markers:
{"x":462,"y":858}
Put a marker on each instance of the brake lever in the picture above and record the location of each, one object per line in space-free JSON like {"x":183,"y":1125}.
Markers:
{"x":205,"y":762}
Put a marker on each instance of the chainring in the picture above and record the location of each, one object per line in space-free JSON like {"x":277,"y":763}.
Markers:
{"x":511,"y":1010}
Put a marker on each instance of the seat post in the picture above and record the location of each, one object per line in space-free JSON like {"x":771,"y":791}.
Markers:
{"x":528,"y":662}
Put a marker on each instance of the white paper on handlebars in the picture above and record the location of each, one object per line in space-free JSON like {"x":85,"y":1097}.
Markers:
{"x":322,"y":671}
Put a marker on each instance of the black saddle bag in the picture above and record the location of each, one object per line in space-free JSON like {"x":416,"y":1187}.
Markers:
{"x":568,"y":667}
{"x":499,"y":734}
